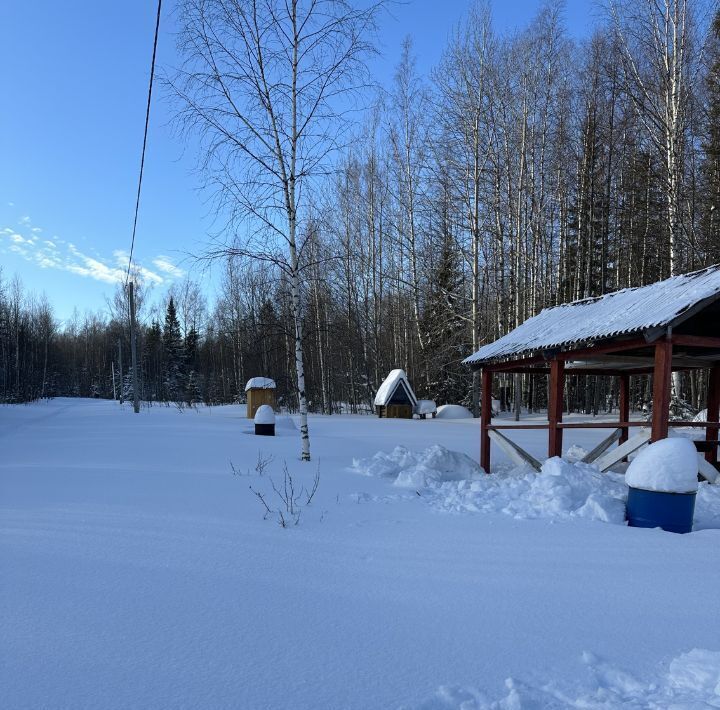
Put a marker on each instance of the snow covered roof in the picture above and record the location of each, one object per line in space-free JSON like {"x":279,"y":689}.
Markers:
{"x":395,"y":379}
{"x":260,"y":383}
{"x":630,"y":310}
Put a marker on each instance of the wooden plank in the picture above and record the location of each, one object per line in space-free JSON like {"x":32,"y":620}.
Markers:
{"x":485,"y":418}
{"x":602,"y":447}
{"x":555,"y":407}
{"x":515,"y":453}
{"x":707,"y":470}
{"x":616,"y":455}
{"x":661,"y":389}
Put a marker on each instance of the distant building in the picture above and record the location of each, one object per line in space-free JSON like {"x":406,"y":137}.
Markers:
{"x":395,"y":399}
{"x":259,"y":391}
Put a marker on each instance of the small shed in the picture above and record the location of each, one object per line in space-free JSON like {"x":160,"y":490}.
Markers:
{"x":665,"y":327}
{"x":259,"y":391}
{"x":395,"y":399}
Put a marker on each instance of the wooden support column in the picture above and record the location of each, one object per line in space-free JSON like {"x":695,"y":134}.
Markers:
{"x":624,"y":406}
{"x":713,"y":412}
{"x":661,"y":389}
{"x":485,"y":418}
{"x":555,"y":407}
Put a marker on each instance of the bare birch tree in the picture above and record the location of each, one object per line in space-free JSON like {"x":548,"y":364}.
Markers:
{"x":266,"y":84}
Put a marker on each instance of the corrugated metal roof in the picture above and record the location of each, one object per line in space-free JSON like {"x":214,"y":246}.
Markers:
{"x":623,"y":312}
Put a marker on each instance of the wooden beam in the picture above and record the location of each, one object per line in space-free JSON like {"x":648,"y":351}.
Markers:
{"x":713,"y":411}
{"x":612,"y":347}
{"x":623,"y":451}
{"x":602,"y":447}
{"x":555,"y":407}
{"x":661,"y":389}
{"x":496,"y":427}
{"x":485,"y":418}
{"x":599,"y":425}
{"x":697,"y":341}
{"x":514,"y":452}
{"x":624,"y":405}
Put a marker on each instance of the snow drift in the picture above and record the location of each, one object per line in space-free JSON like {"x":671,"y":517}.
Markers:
{"x":562,"y":490}
{"x":453,"y":411}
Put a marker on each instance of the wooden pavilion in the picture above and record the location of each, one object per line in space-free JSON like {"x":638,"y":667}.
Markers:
{"x":668,"y":326}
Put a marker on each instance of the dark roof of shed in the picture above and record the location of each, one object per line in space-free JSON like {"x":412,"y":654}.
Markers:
{"x":629,"y":311}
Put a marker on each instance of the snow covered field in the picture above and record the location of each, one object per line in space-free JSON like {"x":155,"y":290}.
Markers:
{"x":136,"y":571}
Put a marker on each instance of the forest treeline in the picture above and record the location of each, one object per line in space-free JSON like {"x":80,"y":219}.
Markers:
{"x":526,"y":171}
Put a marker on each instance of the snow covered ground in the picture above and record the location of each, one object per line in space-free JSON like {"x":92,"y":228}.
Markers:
{"x":136,"y":570}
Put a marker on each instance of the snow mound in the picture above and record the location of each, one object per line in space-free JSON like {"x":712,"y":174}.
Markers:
{"x":425,"y":406}
{"x":419,"y":470}
{"x":668,"y":465}
{"x":561,"y":491}
{"x":452,"y":481}
{"x":692,"y":680}
{"x":285,"y":423}
{"x":264,"y":415}
{"x":453,"y":411}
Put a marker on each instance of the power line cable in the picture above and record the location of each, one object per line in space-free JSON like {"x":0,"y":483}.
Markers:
{"x":147,"y":122}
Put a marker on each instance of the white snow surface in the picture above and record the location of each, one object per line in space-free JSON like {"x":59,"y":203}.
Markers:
{"x":669,"y":465}
{"x":260,"y":383}
{"x":425,"y":406}
{"x":453,"y":411}
{"x":264,"y":415}
{"x":137,"y":571}
{"x":386,"y":389}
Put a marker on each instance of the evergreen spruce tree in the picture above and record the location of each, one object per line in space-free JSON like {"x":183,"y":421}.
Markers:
{"x":174,"y":379}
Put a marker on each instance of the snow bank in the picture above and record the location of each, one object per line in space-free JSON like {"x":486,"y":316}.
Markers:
{"x":260,"y":383}
{"x":692,"y":680}
{"x":264,"y":415}
{"x":425,"y":406}
{"x":419,"y":470}
{"x":668,"y":465}
{"x":454,"y":482}
{"x":562,"y":490}
{"x":453,"y":411}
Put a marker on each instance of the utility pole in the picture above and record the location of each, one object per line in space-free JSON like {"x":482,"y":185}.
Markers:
{"x":112,"y":367}
{"x":133,"y":348}
{"x":120,"y":367}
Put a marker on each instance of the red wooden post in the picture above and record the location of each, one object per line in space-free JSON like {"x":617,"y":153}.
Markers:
{"x":555,"y":407}
{"x":713,"y":411}
{"x":485,"y":418}
{"x":624,"y":405}
{"x":661,"y":389}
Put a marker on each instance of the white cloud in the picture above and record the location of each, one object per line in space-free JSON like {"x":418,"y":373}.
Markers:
{"x":164,"y":264}
{"x":65,"y":256}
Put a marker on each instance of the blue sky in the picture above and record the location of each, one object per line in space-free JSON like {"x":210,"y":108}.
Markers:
{"x":74,"y":81}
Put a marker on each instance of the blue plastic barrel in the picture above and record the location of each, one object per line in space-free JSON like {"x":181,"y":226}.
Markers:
{"x":656,"y":509}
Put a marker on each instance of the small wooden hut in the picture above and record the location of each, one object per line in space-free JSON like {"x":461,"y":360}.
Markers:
{"x":395,"y":399}
{"x":668,"y":326}
{"x":259,"y":391}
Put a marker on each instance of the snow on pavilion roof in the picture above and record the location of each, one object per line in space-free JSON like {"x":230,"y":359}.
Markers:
{"x":630,"y":310}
